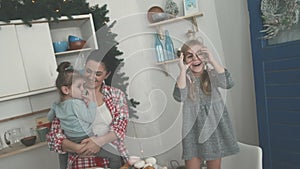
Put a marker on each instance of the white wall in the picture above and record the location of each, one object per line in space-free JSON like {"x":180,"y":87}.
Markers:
{"x":226,"y":24}
{"x":235,"y":35}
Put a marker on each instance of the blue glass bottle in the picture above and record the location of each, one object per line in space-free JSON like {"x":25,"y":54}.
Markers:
{"x":170,"y":52}
{"x":159,"y":49}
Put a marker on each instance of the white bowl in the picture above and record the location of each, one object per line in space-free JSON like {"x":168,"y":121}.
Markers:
{"x":160,"y":16}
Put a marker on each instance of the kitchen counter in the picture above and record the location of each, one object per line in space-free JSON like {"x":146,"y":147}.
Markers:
{"x":19,"y":148}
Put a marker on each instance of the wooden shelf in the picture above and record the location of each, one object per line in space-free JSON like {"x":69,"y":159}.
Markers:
{"x":176,"y":19}
{"x":165,"y":64}
{"x":72,"y":51}
{"x":20,"y":95}
{"x":167,"y":61}
{"x":24,"y":115}
{"x":19,"y":148}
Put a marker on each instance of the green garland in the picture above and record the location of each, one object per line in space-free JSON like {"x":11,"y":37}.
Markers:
{"x":29,"y":10}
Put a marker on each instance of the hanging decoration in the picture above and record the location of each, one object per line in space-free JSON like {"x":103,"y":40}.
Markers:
{"x":279,"y":15}
{"x":171,"y":8}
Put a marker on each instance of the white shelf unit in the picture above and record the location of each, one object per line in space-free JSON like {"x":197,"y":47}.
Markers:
{"x":81,"y":26}
{"x":72,"y":52}
{"x":20,"y":58}
{"x":35,"y":63}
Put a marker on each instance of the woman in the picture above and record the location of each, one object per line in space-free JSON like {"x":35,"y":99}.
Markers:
{"x":97,"y":70}
{"x":207,"y":130}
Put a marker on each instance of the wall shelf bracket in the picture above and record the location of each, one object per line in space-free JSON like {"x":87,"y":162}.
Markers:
{"x":195,"y":24}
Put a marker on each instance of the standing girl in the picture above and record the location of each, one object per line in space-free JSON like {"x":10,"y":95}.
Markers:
{"x":207,"y":131}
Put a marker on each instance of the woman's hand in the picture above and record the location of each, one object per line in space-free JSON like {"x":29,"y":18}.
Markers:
{"x":90,"y":147}
{"x":78,"y":147}
{"x":69,"y":146}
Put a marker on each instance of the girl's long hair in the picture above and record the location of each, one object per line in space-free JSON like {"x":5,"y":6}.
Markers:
{"x":205,"y":84}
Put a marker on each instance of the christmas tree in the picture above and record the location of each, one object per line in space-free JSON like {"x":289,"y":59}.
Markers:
{"x":29,"y":10}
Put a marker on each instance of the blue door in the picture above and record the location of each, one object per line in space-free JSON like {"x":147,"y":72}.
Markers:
{"x":276,"y":65}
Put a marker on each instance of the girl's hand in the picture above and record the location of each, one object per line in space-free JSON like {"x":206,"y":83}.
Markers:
{"x":182,"y":65}
{"x":85,"y":99}
{"x":209,"y":58}
{"x":88,"y":96}
{"x":90,"y":147}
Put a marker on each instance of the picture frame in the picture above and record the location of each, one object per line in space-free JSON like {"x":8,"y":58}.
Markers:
{"x":190,"y":7}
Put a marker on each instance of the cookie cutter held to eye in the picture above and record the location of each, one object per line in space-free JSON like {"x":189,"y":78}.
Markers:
{"x":203,"y":59}
{"x":178,"y":52}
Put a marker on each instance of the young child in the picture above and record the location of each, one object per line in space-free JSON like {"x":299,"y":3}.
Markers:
{"x":76,"y":112}
{"x":207,"y":131}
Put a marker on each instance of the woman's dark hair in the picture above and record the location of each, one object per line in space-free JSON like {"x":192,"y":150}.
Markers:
{"x":110,"y":63}
{"x":66,"y":75}
{"x":205,"y":83}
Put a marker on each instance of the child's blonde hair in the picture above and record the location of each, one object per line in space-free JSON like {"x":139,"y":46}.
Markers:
{"x":205,"y":84}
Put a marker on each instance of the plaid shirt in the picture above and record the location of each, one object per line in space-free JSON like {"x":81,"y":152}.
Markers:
{"x":116,"y":102}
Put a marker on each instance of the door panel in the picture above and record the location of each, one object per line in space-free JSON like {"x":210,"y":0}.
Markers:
{"x":38,"y":55}
{"x":288,"y":142}
{"x":277,"y":88}
{"x":13,"y":79}
{"x":288,"y":161}
{"x":291,"y":117}
{"x":284,"y":103}
{"x":283,"y":90}
{"x":283,"y":64}
{"x":282,"y":77}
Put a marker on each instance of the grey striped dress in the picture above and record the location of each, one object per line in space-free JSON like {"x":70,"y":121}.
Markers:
{"x":207,"y":131}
